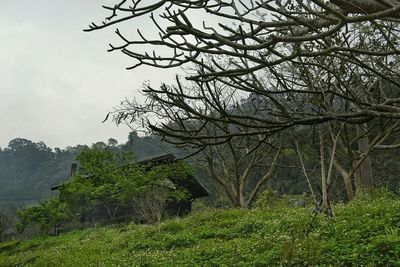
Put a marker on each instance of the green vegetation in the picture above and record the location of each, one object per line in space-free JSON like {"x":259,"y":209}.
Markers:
{"x":106,"y":181}
{"x":28,"y":169}
{"x":45,"y":216}
{"x":364,"y":233}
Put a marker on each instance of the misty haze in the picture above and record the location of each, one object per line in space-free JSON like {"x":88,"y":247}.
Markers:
{"x":200,"y":133}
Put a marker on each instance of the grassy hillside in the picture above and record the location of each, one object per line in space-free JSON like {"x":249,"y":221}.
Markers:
{"x":365,"y":233}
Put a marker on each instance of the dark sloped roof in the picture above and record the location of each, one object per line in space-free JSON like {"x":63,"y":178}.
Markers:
{"x":161,"y":159}
{"x":56,"y":187}
{"x":190,"y":183}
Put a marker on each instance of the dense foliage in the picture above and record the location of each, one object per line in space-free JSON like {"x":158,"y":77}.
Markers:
{"x":108,"y":180}
{"x":45,"y":216}
{"x":28,"y":169}
{"x":111,"y":180}
{"x":364,"y":233}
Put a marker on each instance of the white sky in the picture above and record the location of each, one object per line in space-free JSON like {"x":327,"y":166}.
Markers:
{"x":57,"y":83}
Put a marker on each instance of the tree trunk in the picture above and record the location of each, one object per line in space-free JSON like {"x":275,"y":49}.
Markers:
{"x":324,"y":185}
{"x":346,"y":179}
{"x":111,"y":215}
{"x":242,"y":202}
{"x":363,"y":176}
{"x":305,"y":173}
{"x":56,"y":230}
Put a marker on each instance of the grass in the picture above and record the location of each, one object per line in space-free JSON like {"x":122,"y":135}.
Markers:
{"x":364,"y":233}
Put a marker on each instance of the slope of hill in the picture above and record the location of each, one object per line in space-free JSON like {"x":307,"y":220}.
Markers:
{"x":364,"y":233}
{"x":28,"y":169}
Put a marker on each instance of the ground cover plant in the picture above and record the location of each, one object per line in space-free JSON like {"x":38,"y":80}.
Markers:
{"x":364,"y":233}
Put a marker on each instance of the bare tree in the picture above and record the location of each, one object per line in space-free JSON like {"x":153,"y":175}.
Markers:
{"x":254,"y":46}
{"x":150,"y":205}
{"x":234,"y":163}
{"x":353,"y":160}
{"x":224,"y":150}
{"x":4,"y":226}
{"x":302,"y":63}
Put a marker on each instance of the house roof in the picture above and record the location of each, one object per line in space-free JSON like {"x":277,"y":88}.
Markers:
{"x":191,"y":184}
{"x":165,"y":158}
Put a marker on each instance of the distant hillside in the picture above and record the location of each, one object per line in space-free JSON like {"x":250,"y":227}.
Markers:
{"x":365,"y":233}
{"x":28,"y":169}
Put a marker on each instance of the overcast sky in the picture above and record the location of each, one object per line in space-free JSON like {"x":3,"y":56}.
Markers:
{"x":57,"y":83}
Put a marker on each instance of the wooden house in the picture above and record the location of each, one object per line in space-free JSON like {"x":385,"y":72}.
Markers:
{"x":190,"y":184}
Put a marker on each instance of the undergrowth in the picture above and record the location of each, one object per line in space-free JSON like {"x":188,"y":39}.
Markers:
{"x":364,"y":233}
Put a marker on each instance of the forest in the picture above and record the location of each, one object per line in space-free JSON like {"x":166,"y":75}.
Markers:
{"x":29,"y":169}
{"x":285,"y":112}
